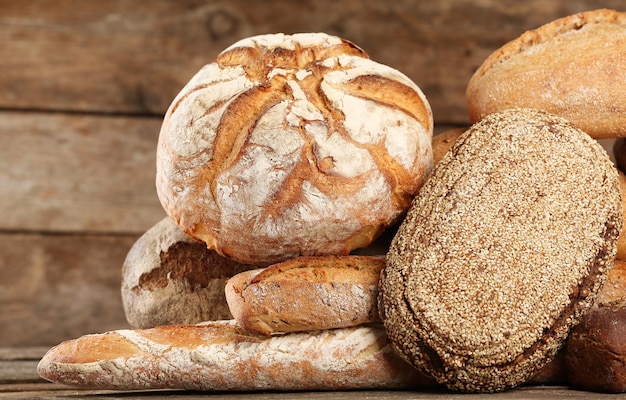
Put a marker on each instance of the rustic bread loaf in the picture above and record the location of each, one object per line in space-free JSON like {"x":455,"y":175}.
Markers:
{"x":221,"y":356}
{"x":290,"y":145}
{"x":169,"y":278}
{"x":569,"y":67}
{"x":443,"y":141}
{"x":596,"y":350}
{"x":503,"y":250}
{"x":307,"y":293}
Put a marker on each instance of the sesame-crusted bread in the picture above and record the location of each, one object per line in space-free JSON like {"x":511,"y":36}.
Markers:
{"x":290,"y":145}
{"x":503,"y":250}
{"x":572,"y":67}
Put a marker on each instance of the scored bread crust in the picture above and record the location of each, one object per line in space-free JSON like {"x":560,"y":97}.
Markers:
{"x":569,"y":67}
{"x":503,"y":250}
{"x":292,"y":145}
{"x":307,"y":293}
{"x":220,"y":356}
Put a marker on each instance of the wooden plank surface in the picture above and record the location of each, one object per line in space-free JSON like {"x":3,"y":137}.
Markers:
{"x":57,"y":287}
{"x":132,"y":57}
{"x":78,"y":173}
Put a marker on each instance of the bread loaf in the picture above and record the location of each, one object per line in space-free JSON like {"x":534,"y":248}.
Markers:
{"x":290,"y":145}
{"x":169,"y":278}
{"x":569,"y":67}
{"x":443,"y":141}
{"x":596,"y":350}
{"x":503,"y":250}
{"x":220,"y":356}
{"x":307,"y":293}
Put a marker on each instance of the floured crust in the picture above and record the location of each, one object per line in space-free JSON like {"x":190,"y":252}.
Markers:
{"x":569,"y":67}
{"x":170,"y":278}
{"x":220,"y":356}
{"x":502,"y":252}
{"x":307,"y":293}
{"x":292,"y":145}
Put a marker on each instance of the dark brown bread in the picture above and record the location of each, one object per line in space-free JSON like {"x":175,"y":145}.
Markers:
{"x":596,"y":350}
{"x":503,"y":251}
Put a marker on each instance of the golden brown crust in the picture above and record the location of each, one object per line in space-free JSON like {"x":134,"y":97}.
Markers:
{"x":307,"y":293}
{"x":443,"y":141}
{"x":292,"y":145}
{"x":502,"y":252}
{"x":567,"y":67}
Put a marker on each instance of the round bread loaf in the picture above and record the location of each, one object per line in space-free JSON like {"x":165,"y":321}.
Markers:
{"x":596,"y":350}
{"x":292,"y":145}
{"x":502,"y":251}
{"x":169,"y":278}
{"x":571,"y":67}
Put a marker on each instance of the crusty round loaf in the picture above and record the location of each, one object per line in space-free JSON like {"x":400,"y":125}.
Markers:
{"x":503,"y":250}
{"x":572,"y":67}
{"x":291,"y":145}
{"x":595,"y":358}
{"x":170,"y":278}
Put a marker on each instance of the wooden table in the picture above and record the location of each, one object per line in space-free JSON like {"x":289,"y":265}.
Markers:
{"x":19,"y":380}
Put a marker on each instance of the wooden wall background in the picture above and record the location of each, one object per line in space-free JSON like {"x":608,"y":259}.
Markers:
{"x":83,"y":88}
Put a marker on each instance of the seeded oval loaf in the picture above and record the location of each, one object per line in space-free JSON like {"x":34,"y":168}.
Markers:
{"x":170,"y":278}
{"x":307,"y":293}
{"x":572,"y":67}
{"x":290,"y":145}
{"x":503,"y":250}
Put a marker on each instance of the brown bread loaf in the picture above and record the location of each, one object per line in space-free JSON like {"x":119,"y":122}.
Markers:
{"x":169,"y":278}
{"x":503,"y":250}
{"x":220,"y":356}
{"x":290,"y":145}
{"x":568,"y":67}
{"x":596,"y":350}
{"x":307,"y":293}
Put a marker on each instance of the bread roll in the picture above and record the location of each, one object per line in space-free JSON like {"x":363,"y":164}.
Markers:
{"x":290,"y":145}
{"x":169,"y":278}
{"x":503,"y":250}
{"x":220,"y":356}
{"x":307,"y":293}
{"x":443,"y":141}
{"x":571,"y":67}
{"x":596,"y":350}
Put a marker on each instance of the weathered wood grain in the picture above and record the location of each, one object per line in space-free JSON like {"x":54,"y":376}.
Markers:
{"x":132,"y":57}
{"x":78,"y":173}
{"x":58,"y":287}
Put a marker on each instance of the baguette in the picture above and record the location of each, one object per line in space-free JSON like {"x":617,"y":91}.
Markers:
{"x":218,"y":355}
{"x":307,"y":293}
